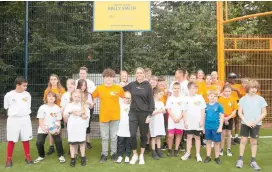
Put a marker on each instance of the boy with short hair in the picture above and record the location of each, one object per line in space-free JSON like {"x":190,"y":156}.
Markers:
{"x":18,"y":102}
{"x":109,"y":116}
{"x":194,"y":108}
{"x":252,"y":110}
{"x":214,"y":119}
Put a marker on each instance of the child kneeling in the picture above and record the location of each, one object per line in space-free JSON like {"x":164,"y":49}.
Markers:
{"x":49,"y":116}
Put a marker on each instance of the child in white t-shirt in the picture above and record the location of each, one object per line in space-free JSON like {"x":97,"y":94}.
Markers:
{"x":193,"y":120}
{"x":174,"y":106}
{"x":18,"y":102}
{"x":66,"y":97}
{"x":124,"y":143}
{"x":77,"y":115}
{"x":49,"y":116}
{"x":156,"y":125}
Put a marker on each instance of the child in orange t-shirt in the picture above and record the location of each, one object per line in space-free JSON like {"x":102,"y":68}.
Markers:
{"x":109,"y":116}
{"x":219,"y":84}
{"x":54,"y":86}
{"x":201,"y":82}
{"x":230,"y":107}
{"x":209,"y":87}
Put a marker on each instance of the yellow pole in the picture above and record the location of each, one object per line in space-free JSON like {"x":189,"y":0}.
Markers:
{"x":226,"y":10}
{"x":220,"y":41}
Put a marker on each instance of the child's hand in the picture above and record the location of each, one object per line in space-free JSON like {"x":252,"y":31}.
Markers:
{"x":176,"y":120}
{"x":186,"y":125}
{"x":227,"y":118}
{"x":76,"y":113}
{"x":147,"y":121}
{"x":201,"y":124}
{"x":84,"y":117}
{"x":45,"y":129}
{"x":219,"y":130}
{"x":91,"y":105}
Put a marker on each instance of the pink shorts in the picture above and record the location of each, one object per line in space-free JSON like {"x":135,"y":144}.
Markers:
{"x":175,"y":131}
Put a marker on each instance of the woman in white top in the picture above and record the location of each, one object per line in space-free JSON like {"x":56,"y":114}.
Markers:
{"x":77,"y":115}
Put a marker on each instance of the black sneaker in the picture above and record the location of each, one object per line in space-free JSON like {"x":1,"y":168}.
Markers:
{"x":114,"y":157}
{"x":73,"y":162}
{"x":203,"y":144}
{"x":29,"y":160}
{"x":176,"y":154}
{"x":8,"y":163}
{"x":160,"y":153}
{"x":147,"y":149}
{"x":218,"y":161}
{"x":51,"y":150}
{"x":170,"y":153}
{"x":83,"y":161}
{"x":103,"y":158}
{"x":164,"y":146}
{"x":88,"y":145}
{"x":236,"y":140}
{"x":207,"y":160}
{"x":155,"y":155}
{"x":232,"y":141}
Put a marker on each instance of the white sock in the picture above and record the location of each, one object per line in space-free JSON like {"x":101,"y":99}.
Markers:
{"x":236,"y":135}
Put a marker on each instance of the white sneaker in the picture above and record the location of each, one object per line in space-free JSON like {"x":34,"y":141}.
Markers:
{"x":134,"y":159}
{"x":198,"y":158}
{"x":221,"y":152}
{"x":186,"y":156}
{"x":38,"y":160}
{"x":62,"y":159}
{"x":141,"y":160}
{"x":126,"y":159}
{"x":119,"y":160}
{"x":229,"y":153}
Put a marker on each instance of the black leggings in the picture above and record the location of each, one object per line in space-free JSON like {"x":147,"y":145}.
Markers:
{"x":41,"y":140}
{"x":137,"y":119}
{"x":124,"y":145}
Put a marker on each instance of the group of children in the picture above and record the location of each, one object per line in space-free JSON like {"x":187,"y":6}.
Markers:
{"x":191,"y":106}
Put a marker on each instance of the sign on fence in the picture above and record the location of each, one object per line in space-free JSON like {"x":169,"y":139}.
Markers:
{"x":121,"y":16}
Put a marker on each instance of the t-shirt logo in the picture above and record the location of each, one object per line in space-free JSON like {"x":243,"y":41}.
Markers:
{"x":13,"y":100}
{"x":215,"y":109}
{"x":230,"y":104}
{"x":25,"y":99}
{"x":140,"y":88}
{"x":197,"y":103}
{"x":113,"y":93}
{"x":53,"y":115}
{"x":126,"y":109}
{"x":179,"y":103}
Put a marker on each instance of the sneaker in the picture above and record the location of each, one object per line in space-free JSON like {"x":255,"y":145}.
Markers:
{"x":207,"y":160}
{"x":83,"y":161}
{"x":141,"y":160}
{"x":61,"y":159}
{"x":73,"y":162}
{"x":126,"y":159}
{"x":114,"y":157}
{"x":29,"y":160}
{"x":232,"y":141}
{"x":221,"y":153}
{"x":51,"y":150}
{"x":39,"y":159}
{"x":160,"y":153}
{"x":147,"y":149}
{"x":255,"y":166}
{"x":164,"y":146}
{"x":186,"y":156}
{"x":203,"y":144}
{"x":170,"y":153}
{"x":236,"y":140}
{"x":198,"y":158}
{"x":240,"y":163}
{"x":229,"y":153}
{"x":134,"y":159}
{"x":8,"y":163}
{"x":155,"y":155}
{"x":103,"y":158}
{"x":119,"y":160}
{"x":218,"y":161}
{"x":88,"y":145}
{"x":176,"y":154}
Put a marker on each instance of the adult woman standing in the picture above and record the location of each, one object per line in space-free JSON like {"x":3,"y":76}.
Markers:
{"x":141,"y":109}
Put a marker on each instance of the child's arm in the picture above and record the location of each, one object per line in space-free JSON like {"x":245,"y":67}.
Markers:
{"x":231,"y":116}
{"x":219,"y":130}
{"x":202,"y":119}
{"x":241,"y":115}
{"x":6,"y":104}
{"x":185,"y":119}
{"x":263,"y":115}
{"x":170,"y":113}
{"x":41,"y":124}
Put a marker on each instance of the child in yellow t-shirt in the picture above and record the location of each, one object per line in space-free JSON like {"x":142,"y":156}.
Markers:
{"x":200,"y":81}
{"x":230,"y":107}
{"x":209,"y":87}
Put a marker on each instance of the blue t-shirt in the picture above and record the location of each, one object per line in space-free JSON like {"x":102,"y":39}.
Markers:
{"x":212,"y":120}
{"x":252,"y":107}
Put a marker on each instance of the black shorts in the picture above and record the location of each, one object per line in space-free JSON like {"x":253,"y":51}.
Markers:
{"x":166,"y":116}
{"x":88,"y":130}
{"x":246,"y":131}
{"x":229,"y":126}
{"x":194,"y":132}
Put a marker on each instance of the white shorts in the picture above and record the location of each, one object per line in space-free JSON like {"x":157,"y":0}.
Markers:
{"x":19,"y":127}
